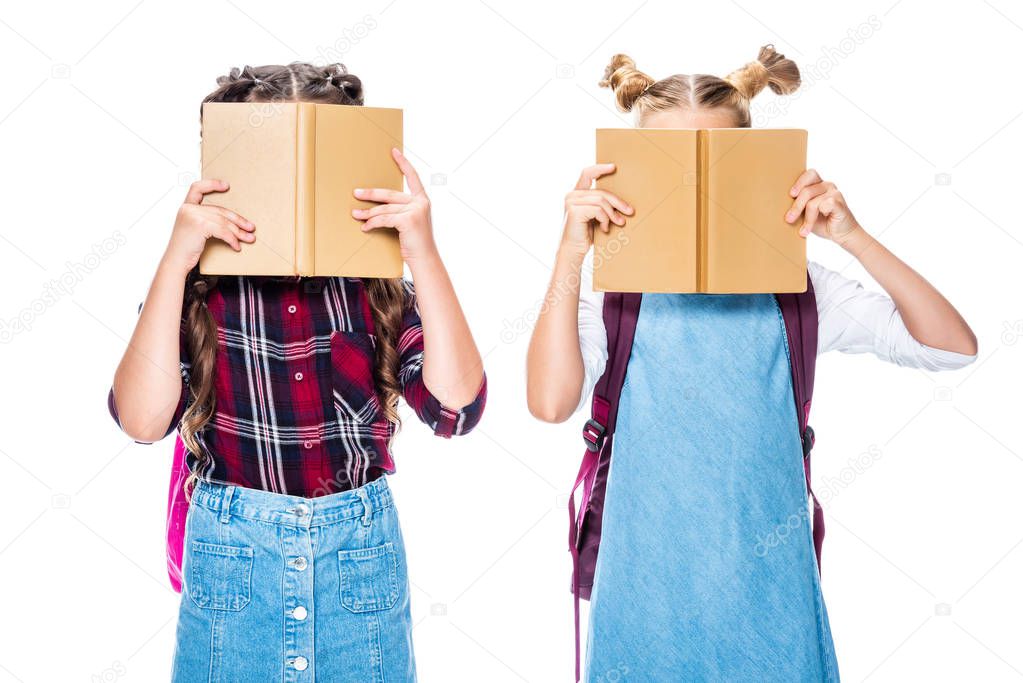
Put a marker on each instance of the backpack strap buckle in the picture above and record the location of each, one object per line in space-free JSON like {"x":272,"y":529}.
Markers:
{"x":593,"y":435}
{"x":808,"y":441}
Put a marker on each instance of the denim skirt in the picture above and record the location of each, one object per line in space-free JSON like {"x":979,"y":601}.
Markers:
{"x":284,"y":588}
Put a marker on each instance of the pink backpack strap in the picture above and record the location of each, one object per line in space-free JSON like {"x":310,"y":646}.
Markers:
{"x":177,"y":513}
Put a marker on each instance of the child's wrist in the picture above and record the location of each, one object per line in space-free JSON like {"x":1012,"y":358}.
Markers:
{"x":424,"y":256}
{"x":173,"y":266}
{"x":571,"y":251}
{"x":856,"y":241}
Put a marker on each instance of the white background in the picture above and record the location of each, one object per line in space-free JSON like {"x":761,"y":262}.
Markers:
{"x":99,"y":135}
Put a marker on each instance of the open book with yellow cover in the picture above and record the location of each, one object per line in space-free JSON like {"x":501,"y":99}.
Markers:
{"x":709,"y":207}
{"x":292,"y":168}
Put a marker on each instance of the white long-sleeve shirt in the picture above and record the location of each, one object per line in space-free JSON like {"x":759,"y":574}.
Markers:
{"x":851,"y":319}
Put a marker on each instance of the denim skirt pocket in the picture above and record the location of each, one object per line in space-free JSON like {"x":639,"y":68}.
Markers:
{"x":369,"y":578}
{"x":219,"y":576}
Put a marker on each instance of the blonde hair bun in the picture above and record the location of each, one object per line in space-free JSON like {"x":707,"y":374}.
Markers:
{"x":772,"y":69}
{"x":625,"y":80}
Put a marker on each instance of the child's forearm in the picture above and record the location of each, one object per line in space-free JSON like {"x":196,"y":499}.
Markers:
{"x":147,"y":383}
{"x":554,"y":366}
{"x":928,"y":316}
{"x":452,"y":367}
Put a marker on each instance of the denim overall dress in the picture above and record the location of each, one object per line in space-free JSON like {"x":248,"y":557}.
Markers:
{"x":706,"y":569}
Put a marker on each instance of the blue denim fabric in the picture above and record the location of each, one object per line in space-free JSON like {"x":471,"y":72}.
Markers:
{"x":283,"y":588}
{"x":706,"y":569}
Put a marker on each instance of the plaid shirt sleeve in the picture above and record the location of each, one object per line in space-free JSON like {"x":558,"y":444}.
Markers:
{"x":185,"y":366}
{"x":444,"y":421}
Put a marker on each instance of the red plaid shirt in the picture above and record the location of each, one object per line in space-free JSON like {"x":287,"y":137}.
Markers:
{"x":296,"y":409}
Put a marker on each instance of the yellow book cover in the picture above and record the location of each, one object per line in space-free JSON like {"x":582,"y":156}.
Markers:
{"x":292,"y":168}
{"x":709,"y":211}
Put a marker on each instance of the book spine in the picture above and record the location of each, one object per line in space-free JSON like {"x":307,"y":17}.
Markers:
{"x":305,"y":189}
{"x":702,"y":201}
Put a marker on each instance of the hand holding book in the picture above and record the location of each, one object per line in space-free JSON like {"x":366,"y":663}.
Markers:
{"x":823,"y":207}
{"x":196,"y":223}
{"x":588,"y":208}
{"x":407,"y":212}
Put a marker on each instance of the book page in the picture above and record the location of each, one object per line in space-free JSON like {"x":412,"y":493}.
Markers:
{"x":656,"y":174}
{"x":353,"y":149}
{"x":749,"y":246}
{"x":252,"y":147}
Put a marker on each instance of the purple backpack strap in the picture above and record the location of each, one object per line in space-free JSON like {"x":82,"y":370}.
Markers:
{"x":799,"y":311}
{"x":621,"y":311}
